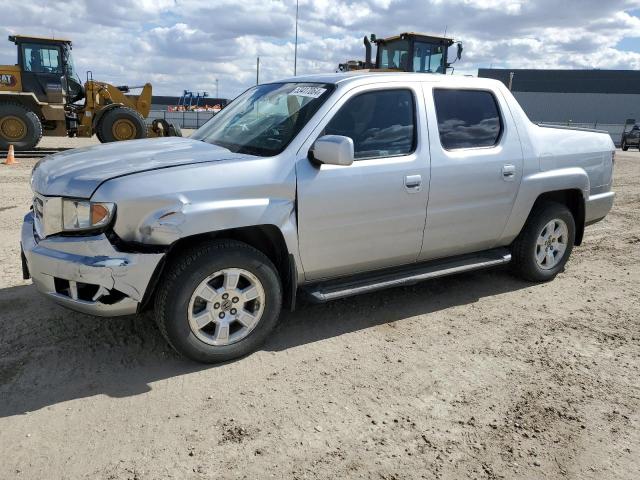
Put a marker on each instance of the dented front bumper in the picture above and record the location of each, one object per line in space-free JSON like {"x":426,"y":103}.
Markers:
{"x":87,"y":274}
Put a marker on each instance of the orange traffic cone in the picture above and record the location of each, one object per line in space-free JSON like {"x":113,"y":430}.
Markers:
{"x":11,"y":158}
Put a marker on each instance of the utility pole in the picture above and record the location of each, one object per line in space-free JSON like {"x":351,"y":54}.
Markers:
{"x":217,"y":95}
{"x":295,"y":52}
{"x":257,"y":70}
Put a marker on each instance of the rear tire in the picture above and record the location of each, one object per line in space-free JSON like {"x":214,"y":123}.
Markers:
{"x":119,"y":124}
{"x":544,"y":245}
{"x":207,"y":316}
{"x":19,"y":127}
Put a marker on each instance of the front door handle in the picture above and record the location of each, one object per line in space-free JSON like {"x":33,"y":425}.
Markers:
{"x":509,"y":173}
{"x":413,"y":183}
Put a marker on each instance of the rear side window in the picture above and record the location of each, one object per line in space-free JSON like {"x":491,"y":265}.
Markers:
{"x":380,"y":123}
{"x":467,"y":118}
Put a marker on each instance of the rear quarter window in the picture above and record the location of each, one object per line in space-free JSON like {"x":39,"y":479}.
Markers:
{"x":467,"y":118}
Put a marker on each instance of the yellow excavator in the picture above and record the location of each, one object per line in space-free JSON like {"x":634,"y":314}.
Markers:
{"x":43,"y":95}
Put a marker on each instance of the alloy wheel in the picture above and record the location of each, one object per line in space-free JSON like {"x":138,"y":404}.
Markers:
{"x":551,"y":244}
{"x":226,"y":306}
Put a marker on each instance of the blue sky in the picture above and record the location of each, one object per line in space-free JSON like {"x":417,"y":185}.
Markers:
{"x":629,"y":44}
{"x":188,"y":44}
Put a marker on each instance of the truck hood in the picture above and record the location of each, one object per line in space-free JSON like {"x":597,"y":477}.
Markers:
{"x":79,"y":172}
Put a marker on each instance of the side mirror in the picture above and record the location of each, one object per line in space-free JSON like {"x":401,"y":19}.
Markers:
{"x":333,"y":150}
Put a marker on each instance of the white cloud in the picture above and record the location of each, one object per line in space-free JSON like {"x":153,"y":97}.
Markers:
{"x":180,"y":44}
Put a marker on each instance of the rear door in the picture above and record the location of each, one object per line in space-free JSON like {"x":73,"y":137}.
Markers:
{"x":370,"y":214}
{"x":476,"y":168}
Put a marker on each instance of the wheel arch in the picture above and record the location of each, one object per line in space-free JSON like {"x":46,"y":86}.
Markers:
{"x":27,"y":100}
{"x":569,"y":186}
{"x":266,"y":238}
{"x":574,"y":200}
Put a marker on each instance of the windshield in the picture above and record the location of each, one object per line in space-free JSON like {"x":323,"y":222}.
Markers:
{"x":71,"y":68}
{"x":265,"y":119}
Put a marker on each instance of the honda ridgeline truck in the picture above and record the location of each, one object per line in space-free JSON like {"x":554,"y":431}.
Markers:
{"x":327,"y":186}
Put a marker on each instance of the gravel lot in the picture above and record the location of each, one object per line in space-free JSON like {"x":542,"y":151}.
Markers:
{"x":475,"y":376}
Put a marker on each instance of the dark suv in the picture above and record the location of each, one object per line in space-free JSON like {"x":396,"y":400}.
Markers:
{"x":630,"y":138}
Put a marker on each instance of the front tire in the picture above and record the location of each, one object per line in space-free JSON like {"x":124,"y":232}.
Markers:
{"x":624,"y":146}
{"x":543,"y":247}
{"x":218,"y":301}
{"x":119,"y":124}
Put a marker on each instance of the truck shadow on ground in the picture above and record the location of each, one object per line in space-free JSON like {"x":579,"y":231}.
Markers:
{"x":50,"y":355}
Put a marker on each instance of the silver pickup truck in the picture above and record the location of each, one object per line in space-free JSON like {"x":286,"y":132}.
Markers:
{"x":327,"y":186}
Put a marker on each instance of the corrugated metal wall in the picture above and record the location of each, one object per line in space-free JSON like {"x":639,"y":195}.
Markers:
{"x":591,"y":108}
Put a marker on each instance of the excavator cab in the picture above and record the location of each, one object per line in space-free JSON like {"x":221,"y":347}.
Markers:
{"x":47,"y":69}
{"x":407,"y":52}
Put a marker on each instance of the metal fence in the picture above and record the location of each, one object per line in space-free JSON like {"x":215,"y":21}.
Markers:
{"x":182,"y":119}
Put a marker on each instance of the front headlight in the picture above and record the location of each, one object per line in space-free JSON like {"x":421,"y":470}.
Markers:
{"x":85,"y":215}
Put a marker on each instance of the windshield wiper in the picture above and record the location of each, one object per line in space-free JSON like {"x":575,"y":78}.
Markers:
{"x":232,"y":147}
{"x":247,"y":149}
{"x":251,"y":150}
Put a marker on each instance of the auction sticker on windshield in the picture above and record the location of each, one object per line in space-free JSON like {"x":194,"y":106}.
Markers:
{"x":312,"y":92}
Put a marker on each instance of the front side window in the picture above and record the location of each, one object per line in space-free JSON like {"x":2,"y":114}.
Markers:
{"x":41,"y":59}
{"x":265,"y":119}
{"x":467,"y":118}
{"x":380,"y":123}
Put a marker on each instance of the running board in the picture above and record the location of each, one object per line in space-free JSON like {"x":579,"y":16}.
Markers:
{"x":408,"y":275}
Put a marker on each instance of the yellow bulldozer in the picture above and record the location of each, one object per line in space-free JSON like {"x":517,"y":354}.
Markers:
{"x":43,"y":95}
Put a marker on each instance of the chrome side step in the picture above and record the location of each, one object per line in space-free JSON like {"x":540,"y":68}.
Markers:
{"x":408,"y":275}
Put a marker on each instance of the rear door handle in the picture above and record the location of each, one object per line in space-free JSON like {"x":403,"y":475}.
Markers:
{"x":509,"y":173}
{"x":413,"y":183}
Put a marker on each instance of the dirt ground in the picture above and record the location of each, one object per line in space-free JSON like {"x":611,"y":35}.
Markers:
{"x":474,"y":376}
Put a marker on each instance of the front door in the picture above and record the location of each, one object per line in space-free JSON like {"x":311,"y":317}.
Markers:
{"x":370,"y":214}
{"x":42,"y":69}
{"x":476,"y":168}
